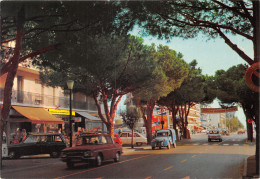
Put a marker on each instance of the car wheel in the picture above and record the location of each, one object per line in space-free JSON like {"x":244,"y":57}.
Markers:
{"x":98,"y":161}
{"x":160,"y":147}
{"x":209,"y":140}
{"x":138,"y":143}
{"x":55,"y":154}
{"x":220,"y":140}
{"x":13,"y":155}
{"x":169,"y":146}
{"x":70,"y":164}
{"x":153,"y":148}
{"x":117,"y":159}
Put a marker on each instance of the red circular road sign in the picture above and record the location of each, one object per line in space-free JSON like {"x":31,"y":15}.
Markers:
{"x":249,"y":120}
{"x":253,"y":70}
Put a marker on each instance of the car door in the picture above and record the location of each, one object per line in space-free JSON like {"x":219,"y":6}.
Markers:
{"x":110,"y":147}
{"x":30,"y":146}
{"x":124,"y":137}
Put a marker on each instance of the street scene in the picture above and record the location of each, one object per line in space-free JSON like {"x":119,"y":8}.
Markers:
{"x":130,"y":89}
{"x":195,"y":158}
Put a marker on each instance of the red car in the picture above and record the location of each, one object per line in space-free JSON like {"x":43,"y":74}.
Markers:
{"x":117,"y":139}
{"x":93,"y":149}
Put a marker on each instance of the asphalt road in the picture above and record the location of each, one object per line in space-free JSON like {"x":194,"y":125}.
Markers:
{"x":195,"y":158}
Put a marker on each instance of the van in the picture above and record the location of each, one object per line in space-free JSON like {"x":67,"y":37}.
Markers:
{"x":4,"y":147}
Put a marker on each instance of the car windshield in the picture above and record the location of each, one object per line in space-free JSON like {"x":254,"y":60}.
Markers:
{"x":214,"y":132}
{"x":91,"y":140}
{"x":162,"y":134}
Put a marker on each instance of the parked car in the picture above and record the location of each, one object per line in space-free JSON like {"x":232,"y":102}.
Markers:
{"x":34,"y":144}
{"x":241,"y":132}
{"x":164,"y":138}
{"x":203,"y":131}
{"x":93,"y":149}
{"x":138,"y":138}
{"x":4,"y":147}
{"x":117,"y":139}
{"x":214,"y":135}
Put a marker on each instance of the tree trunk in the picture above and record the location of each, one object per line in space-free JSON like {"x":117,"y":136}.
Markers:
{"x":150,"y":107}
{"x":10,"y":77}
{"x":248,"y":113}
{"x":174,"y":111}
{"x":132,"y":140}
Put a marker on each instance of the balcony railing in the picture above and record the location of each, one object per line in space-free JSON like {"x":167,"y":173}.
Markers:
{"x":35,"y":99}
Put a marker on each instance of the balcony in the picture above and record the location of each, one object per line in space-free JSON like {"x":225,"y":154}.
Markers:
{"x":35,"y":99}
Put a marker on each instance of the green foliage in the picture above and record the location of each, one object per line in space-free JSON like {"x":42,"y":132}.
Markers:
{"x":168,"y":75}
{"x":235,"y":124}
{"x":187,"y":19}
{"x":193,"y":89}
{"x":131,"y":117}
{"x":117,"y":63}
{"x":230,"y":85}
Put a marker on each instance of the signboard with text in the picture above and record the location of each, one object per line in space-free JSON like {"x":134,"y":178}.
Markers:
{"x":60,"y":112}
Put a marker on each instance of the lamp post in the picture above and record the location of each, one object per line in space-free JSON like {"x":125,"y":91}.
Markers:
{"x":70,"y":84}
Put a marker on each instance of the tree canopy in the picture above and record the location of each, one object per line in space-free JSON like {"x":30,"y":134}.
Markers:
{"x":107,"y":67}
{"x":187,"y":19}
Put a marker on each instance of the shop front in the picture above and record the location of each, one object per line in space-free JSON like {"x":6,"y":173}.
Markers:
{"x":31,"y":119}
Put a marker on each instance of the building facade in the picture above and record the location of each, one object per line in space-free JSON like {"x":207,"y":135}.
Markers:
{"x":40,"y":108}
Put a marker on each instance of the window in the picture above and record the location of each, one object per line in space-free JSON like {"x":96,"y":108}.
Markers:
{"x":109,"y":140}
{"x":37,"y":81}
{"x":102,"y":140}
{"x":19,"y":89}
{"x":136,"y":135}
{"x":123,"y":135}
{"x":33,"y":139}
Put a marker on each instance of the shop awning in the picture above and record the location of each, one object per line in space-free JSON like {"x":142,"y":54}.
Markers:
{"x":38,"y":115}
{"x":88,"y":116}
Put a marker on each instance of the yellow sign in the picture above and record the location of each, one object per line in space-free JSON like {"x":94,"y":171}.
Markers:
{"x":60,"y":112}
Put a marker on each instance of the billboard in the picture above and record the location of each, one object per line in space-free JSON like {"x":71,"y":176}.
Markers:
{"x":158,"y":116}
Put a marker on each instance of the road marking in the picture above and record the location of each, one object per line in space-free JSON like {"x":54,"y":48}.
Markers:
{"x":205,"y":144}
{"x":183,"y":161}
{"x":65,"y":176}
{"x":148,"y":177}
{"x":225,"y":144}
{"x":193,"y":156}
{"x":236,"y":144}
{"x":196,"y":144}
{"x":167,"y":168}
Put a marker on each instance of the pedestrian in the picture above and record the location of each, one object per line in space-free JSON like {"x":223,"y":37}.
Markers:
{"x":23,"y":135}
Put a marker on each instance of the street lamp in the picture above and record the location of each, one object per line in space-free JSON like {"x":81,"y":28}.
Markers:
{"x":70,"y":84}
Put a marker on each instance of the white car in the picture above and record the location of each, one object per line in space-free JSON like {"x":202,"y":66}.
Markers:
{"x":214,"y":135}
{"x":138,"y":138}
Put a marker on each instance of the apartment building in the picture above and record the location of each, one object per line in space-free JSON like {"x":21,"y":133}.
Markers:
{"x":39,"y":108}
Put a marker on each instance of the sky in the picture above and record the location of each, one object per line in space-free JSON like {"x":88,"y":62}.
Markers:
{"x":211,"y":55}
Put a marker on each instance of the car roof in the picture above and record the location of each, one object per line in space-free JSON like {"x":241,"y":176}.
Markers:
{"x":164,"y":130}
